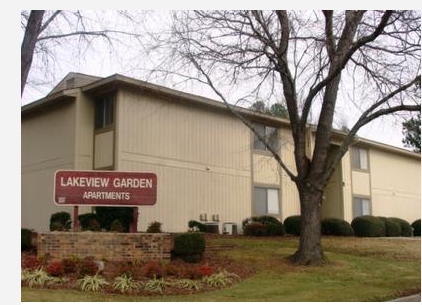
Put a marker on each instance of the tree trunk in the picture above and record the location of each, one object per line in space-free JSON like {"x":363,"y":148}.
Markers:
{"x":310,"y":250}
{"x":28,"y":44}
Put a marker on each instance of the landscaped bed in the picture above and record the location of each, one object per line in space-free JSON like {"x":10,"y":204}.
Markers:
{"x":357,"y":269}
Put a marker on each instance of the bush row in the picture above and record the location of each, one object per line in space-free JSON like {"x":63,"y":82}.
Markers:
{"x":365,"y":226}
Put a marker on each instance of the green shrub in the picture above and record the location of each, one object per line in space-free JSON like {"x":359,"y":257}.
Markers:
{"x":254,"y":228}
{"x":368,"y":226}
{"x":337,"y":227}
{"x":154,"y":227}
{"x":116,"y":226}
{"x":86,"y":221}
{"x":416,"y":225}
{"x":405,"y":227}
{"x":26,"y":239}
{"x":60,"y":221}
{"x":392,"y":228}
{"x":197,"y":226}
{"x":262,"y":226}
{"x":292,"y":225}
{"x":106,"y":215}
{"x":189,"y":246}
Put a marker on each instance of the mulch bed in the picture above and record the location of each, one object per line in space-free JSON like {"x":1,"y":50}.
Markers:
{"x":144,"y":271}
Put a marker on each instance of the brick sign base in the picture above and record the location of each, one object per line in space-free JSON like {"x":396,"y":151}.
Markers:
{"x":105,"y":245}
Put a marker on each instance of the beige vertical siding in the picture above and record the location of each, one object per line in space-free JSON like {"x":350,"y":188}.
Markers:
{"x":84,"y":132}
{"x":47,"y":145}
{"x":332,"y":205}
{"x":361,"y":183}
{"x":266,"y":170}
{"x":201,"y":158}
{"x":396,"y":185}
{"x":104,"y":149}
{"x":289,"y":194}
{"x":347,"y":187}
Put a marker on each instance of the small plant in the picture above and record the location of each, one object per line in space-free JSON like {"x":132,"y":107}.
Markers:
{"x":155,"y":285}
{"x":172,"y":270}
{"x":153,"y":270}
{"x":206,"y":270}
{"x":91,"y":283}
{"x":125,"y":283}
{"x":70,"y":265}
{"x":187,"y":284}
{"x":30,"y":262}
{"x":55,"y":268}
{"x":154,"y":227}
{"x":220,"y":279}
{"x":36,"y":278}
{"x":88,"y":267}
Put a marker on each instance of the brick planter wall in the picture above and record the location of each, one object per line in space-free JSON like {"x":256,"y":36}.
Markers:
{"x":106,"y":245}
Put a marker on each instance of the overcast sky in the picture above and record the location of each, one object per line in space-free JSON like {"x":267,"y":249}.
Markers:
{"x":100,"y":61}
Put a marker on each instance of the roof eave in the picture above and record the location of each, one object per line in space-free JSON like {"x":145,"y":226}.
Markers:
{"x":48,"y":101}
{"x":117,"y":80}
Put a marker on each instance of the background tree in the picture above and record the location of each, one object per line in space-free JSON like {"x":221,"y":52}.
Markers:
{"x":412,"y":133}
{"x":46,"y":34}
{"x":307,"y":58}
{"x":277,"y":109}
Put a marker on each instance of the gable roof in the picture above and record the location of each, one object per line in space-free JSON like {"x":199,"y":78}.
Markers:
{"x":73,"y":80}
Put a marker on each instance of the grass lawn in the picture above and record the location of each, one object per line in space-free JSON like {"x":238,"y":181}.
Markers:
{"x":359,"y":269}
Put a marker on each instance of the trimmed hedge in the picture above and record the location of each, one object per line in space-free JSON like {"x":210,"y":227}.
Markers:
{"x":337,"y":227}
{"x":190,"y":247}
{"x":405,"y":227}
{"x":368,"y":226}
{"x":86,"y":221}
{"x":416,"y":225}
{"x":262,"y":226}
{"x":392,"y":228}
{"x":292,"y":225}
{"x":60,"y":221}
{"x":106,"y":215}
{"x":26,"y":239}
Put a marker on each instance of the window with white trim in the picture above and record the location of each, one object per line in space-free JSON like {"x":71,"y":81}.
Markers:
{"x":359,"y":158}
{"x":361,"y":206}
{"x":266,"y":201}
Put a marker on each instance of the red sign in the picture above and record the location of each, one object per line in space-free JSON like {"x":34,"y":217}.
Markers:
{"x":104,"y":188}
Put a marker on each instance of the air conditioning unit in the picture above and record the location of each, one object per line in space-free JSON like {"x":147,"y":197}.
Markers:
{"x":229,"y":228}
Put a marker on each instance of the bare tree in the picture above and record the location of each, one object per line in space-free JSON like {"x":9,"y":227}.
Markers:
{"x":47,"y":33}
{"x":305,"y":57}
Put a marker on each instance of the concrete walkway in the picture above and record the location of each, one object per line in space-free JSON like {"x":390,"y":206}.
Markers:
{"x":411,"y":298}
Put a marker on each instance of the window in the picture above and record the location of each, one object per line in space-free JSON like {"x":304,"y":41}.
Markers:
{"x":359,"y":158}
{"x":269,"y":134}
{"x":265,"y":201}
{"x":361,"y":206}
{"x":104,"y":111}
